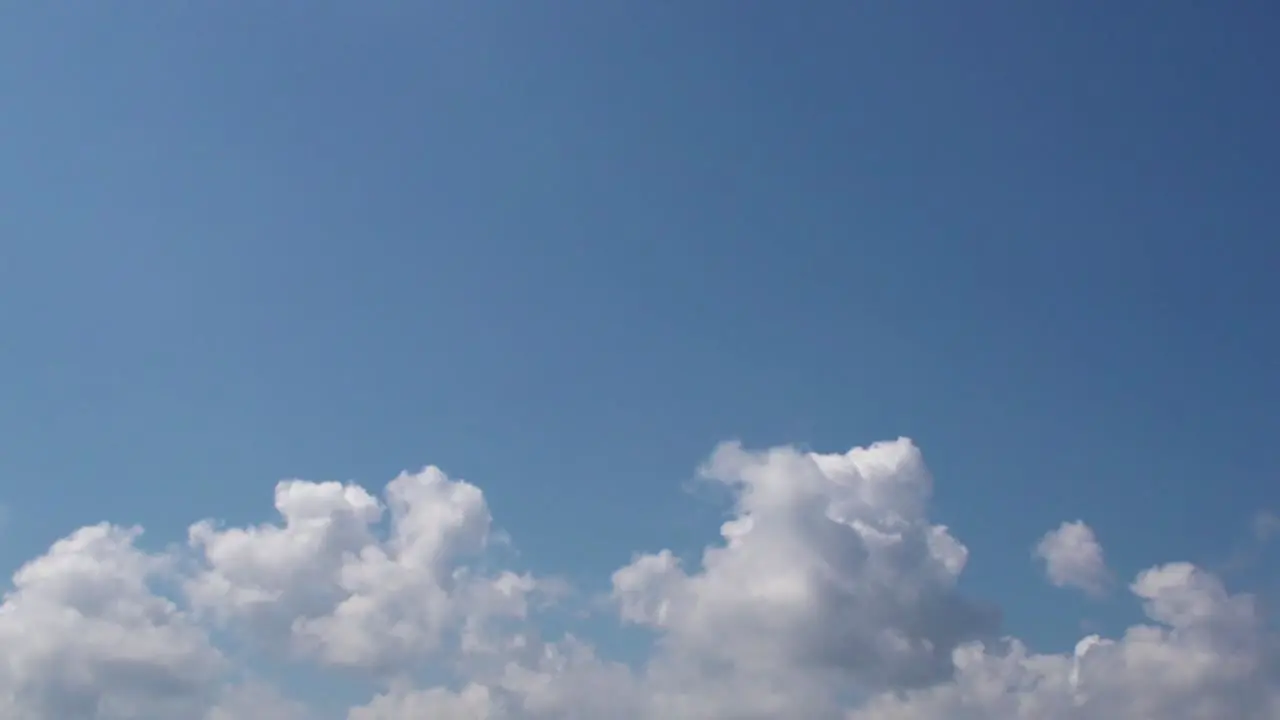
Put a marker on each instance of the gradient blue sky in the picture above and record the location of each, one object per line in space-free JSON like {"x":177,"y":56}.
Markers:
{"x":563,"y":248}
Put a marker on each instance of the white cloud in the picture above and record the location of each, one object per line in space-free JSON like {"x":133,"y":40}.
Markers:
{"x":474,"y":702}
{"x":1204,"y":657}
{"x":83,"y":635}
{"x":326,"y":584}
{"x":830,"y":596}
{"x":1073,"y":558}
{"x":255,"y":701}
{"x":829,"y":570}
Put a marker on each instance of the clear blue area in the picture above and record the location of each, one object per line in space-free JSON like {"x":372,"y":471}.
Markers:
{"x":563,"y":248}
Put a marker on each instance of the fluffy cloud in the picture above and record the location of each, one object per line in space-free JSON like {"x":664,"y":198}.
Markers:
{"x":829,"y":572}
{"x":1073,"y":558}
{"x":1204,"y":656}
{"x":326,"y":585}
{"x":829,"y":596}
{"x":84,"y":634}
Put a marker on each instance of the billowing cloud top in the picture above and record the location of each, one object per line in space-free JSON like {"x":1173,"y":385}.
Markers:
{"x":830,"y":596}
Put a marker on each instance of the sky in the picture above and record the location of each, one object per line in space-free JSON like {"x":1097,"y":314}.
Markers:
{"x":568,"y":359}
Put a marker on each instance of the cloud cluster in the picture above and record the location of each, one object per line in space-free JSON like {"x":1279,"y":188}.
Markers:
{"x":829,"y":596}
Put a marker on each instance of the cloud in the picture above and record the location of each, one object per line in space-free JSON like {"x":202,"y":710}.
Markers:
{"x":1073,"y":558}
{"x":1202,"y":656}
{"x":84,"y":635}
{"x":1266,"y":525}
{"x":326,"y":585}
{"x":829,"y":595}
{"x":255,"y":701}
{"x":828,"y":569}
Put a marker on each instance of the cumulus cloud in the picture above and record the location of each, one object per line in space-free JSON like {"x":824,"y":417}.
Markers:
{"x":829,"y":595}
{"x":1203,"y":655}
{"x":1073,"y":558}
{"x":84,"y":635}
{"x":828,"y":570}
{"x":325,"y":583}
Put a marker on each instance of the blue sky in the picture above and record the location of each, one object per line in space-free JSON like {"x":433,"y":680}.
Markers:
{"x":563,"y":249}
